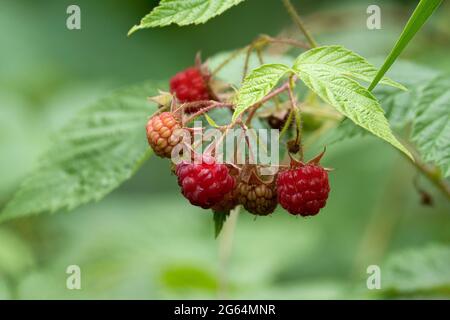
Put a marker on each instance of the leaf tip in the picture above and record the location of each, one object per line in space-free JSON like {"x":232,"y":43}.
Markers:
{"x":403,"y":149}
{"x":134,"y":29}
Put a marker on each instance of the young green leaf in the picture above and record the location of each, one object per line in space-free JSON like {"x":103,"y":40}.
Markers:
{"x":418,"y":272}
{"x":431,"y":126}
{"x":219,"y":220}
{"x":341,"y":61}
{"x":423,"y":11}
{"x":351,"y":99}
{"x":98,"y":150}
{"x":183,"y":12}
{"x":211,"y":121}
{"x":257,"y":85}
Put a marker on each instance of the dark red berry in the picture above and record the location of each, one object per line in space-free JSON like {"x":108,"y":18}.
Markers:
{"x":160,"y":133}
{"x":230,"y":200}
{"x":189,"y":86}
{"x":204,"y":184}
{"x":303,"y":190}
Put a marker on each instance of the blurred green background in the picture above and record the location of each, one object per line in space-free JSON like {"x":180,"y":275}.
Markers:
{"x":144,"y":241}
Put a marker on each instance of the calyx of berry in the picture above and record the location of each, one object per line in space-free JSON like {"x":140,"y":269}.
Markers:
{"x":314,"y":161}
{"x":163,"y":100}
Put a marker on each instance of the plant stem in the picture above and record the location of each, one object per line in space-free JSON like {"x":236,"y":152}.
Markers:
{"x":260,"y":56}
{"x":286,"y":125}
{"x":213,"y":105}
{"x":288,"y":41}
{"x":271,"y":95}
{"x":432,"y":173}
{"x":230,"y":58}
{"x":225,"y":248}
{"x":297,"y":114}
{"x":298,"y":21}
{"x":261,"y":40}
{"x":13,"y":287}
{"x":381,"y":225}
{"x":247,"y":60}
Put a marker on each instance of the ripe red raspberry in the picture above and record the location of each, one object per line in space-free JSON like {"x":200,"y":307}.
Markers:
{"x":160,"y":133}
{"x":230,"y":200}
{"x":303,"y":190}
{"x":258,"y":198}
{"x":204,"y":184}
{"x":190,"y":86}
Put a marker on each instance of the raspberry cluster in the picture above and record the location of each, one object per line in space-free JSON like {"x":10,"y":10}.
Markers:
{"x":301,"y":189}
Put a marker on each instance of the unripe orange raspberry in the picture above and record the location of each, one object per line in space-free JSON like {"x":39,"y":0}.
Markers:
{"x":160,"y":133}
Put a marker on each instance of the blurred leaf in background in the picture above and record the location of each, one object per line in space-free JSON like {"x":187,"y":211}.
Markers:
{"x":419,"y":272}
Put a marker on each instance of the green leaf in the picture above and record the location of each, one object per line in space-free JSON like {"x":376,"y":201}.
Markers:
{"x":257,"y":85}
{"x":98,"y":150}
{"x":350,"y":98}
{"x":184,"y":12}
{"x":398,"y":105}
{"x":211,"y":121}
{"x":341,"y":61}
{"x":431,"y":126}
{"x":219,"y":219}
{"x":398,"y":110}
{"x":418,"y":271}
{"x":423,"y":11}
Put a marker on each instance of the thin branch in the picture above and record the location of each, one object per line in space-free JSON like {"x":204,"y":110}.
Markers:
{"x":271,"y":95}
{"x":212,"y":105}
{"x":298,"y":120}
{"x":257,"y":43}
{"x":298,"y":21}
{"x":225,"y":249}
{"x":286,"y":125}
{"x":252,"y":114}
{"x":274,"y":93}
{"x":288,"y":41}
{"x":432,"y":173}
{"x":230,"y":58}
{"x":247,"y":60}
{"x":260,"y":56}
